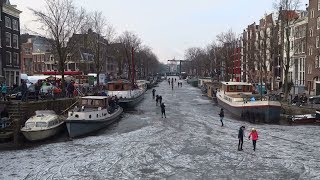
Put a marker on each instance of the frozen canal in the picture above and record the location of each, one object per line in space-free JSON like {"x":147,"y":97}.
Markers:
{"x":188,"y":144}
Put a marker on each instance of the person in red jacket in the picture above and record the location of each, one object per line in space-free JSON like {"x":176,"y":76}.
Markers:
{"x":254,"y":135}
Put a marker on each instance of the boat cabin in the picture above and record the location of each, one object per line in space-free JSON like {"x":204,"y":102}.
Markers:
{"x":43,"y":119}
{"x":120,"y":85}
{"x":94,"y":101}
{"x":236,"y":87}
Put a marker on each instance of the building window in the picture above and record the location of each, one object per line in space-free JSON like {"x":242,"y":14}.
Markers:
{"x":0,"y":35}
{"x":27,"y":51}
{"x":316,"y":63}
{"x":310,"y":51}
{"x":309,"y":69}
{"x":318,"y":22}
{"x":7,"y":22}
{"x":15,"y":25}
{"x":303,"y":45}
{"x":318,"y":5}
{"x":310,"y":32}
{"x":15,"y":59}
{"x":8,"y":58}
{"x":8,"y":39}
{"x":317,"y":42}
{"x":15,"y":42}
{"x":312,"y":13}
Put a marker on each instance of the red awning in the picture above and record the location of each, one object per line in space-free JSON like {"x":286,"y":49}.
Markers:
{"x":65,"y":73}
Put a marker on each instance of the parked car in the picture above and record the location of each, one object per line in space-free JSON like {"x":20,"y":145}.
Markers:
{"x":16,"y":93}
{"x":314,"y":99}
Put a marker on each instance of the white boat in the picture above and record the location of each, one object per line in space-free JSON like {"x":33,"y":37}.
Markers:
{"x":93,"y":114}
{"x":143,"y":84}
{"x":237,"y":98}
{"x":44,"y":124}
{"x":129,"y":95}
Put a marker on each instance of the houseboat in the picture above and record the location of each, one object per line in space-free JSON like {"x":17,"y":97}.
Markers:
{"x":238,"y":99}
{"x":129,"y":94}
{"x":94,"y":113}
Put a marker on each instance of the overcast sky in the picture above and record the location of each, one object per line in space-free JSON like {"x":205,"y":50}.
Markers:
{"x":169,"y":27}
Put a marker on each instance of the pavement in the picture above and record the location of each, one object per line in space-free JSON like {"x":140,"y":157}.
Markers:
{"x":189,"y":144}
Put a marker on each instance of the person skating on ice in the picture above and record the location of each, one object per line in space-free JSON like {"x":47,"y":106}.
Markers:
{"x":254,"y":135}
{"x":240,"y":137}
{"x":221,"y":114}
{"x":163,"y":110}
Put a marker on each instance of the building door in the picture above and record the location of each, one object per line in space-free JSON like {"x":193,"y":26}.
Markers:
{"x":317,"y":89}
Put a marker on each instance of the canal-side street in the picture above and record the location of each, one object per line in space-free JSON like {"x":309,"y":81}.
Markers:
{"x":189,"y":144}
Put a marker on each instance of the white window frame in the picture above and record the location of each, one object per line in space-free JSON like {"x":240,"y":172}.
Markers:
{"x":310,"y":32}
{"x":17,"y":37}
{"x":303,"y":47}
{"x":17,"y":60}
{"x":312,"y":13}
{"x":318,"y":5}
{"x":318,"y":22}
{"x":310,"y":51}
{"x":317,"y":42}
{"x":15,"y":27}
{"x":7,"y":19}
{"x":10,"y":40}
{"x":10,"y":60}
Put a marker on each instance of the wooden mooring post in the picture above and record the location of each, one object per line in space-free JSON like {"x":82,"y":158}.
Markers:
{"x":16,"y":131}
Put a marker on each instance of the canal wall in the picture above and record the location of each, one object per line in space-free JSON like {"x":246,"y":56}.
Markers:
{"x":296,"y":110}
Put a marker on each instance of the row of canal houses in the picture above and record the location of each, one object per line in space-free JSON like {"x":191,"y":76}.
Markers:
{"x":262,"y":45}
{"x":32,"y":55}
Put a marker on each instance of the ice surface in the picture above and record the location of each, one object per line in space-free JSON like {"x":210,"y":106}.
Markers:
{"x":188,"y":144}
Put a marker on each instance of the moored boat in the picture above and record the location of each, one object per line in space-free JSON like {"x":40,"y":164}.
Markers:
{"x":43,"y":125}
{"x":305,"y":118}
{"x":237,"y":98}
{"x":129,"y":95}
{"x":93,"y":114}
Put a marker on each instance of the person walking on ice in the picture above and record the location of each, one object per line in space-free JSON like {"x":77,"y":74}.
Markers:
{"x":157,"y":100}
{"x":163,"y":110}
{"x":254,"y":135}
{"x":221,"y":114}
{"x":153,"y":93}
{"x":240,"y":137}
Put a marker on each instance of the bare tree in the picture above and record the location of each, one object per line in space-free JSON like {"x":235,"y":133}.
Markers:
{"x":228,"y":42}
{"x":59,"y":20}
{"x":287,"y":16}
{"x":131,"y":42}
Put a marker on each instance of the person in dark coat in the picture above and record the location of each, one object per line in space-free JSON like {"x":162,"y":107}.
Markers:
{"x":240,"y":137}
{"x":24,"y":91}
{"x":221,"y":114}
{"x":153,"y":93}
{"x":163,"y":110}
{"x":160,"y":99}
{"x":157,"y":100}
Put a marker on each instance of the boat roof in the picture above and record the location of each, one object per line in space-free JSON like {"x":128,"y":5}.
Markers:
{"x":95,"y":97}
{"x":236,"y":83}
{"x":45,"y":112}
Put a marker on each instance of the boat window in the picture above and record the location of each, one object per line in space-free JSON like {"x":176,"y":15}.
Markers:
{"x":84,"y":101}
{"x":41,"y":124}
{"x":247,"y":89}
{"x":30,"y":125}
{"x":90,"y":116}
{"x":97,"y":102}
{"x":231,"y":88}
{"x":239,"y":88}
{"x":97,"y":115}
{"x":77,"y":116}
